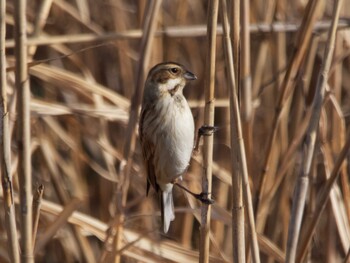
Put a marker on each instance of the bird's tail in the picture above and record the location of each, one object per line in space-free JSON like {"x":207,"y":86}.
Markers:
{"x":167,"y":208}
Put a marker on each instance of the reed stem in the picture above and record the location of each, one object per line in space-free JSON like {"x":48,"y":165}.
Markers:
{"x":209,"y":110}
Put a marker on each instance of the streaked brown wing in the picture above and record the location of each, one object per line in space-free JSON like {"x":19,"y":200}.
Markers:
{"x":148,"y":149}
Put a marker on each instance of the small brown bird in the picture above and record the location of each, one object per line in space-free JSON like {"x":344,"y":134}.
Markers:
{"x":166,"y":131}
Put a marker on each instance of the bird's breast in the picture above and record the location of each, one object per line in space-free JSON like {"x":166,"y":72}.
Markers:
{"x":173,"y":137}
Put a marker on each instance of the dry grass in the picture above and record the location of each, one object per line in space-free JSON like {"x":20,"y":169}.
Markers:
{"x":86,"y":59}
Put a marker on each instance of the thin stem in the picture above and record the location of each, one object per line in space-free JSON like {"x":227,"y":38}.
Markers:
{"x":130,"y":140}
{"x":189,"y":31}
{"x":6,"y":178}
{"x":245,"y":75}
{"x":238,"y":158}
{"x":23,"y":121}
{"x":238,"y":238}
{"x":209,"y":121}
{"x":323,"y":198}
{"x":38,"y":195}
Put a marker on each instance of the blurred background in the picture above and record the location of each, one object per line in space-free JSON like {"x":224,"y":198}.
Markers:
{"x":84,"y":60}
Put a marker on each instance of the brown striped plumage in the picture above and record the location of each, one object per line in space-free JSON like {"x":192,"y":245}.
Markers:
{"x":166,"y":131}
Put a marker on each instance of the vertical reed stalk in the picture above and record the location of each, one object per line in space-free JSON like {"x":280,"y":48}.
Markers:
{"x":145,"y":53}
{"x":245,"y":75}
{"x":6,"y":178}
{"x":245,"y":85}
{"x":38,"y":196}
{"x":208,"y":120}
{"x":130,"y":140}
{"x":299,"y":197}
{"x":322,"y":200}
{"x":245,"y":100}
{"x":238,"y":238}
{"x":236,"y":37}
{"x":23,"y":122}
{"x":238,"y":159}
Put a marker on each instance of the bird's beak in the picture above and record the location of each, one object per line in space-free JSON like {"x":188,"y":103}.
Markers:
{"x":189,"y":76}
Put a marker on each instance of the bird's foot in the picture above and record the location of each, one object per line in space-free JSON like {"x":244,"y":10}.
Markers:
{"x":205,"y":130}
{"x":203,"y":197}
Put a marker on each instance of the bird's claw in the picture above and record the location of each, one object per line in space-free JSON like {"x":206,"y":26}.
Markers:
{"x":203,"y":197}
{"x":207,"y":130}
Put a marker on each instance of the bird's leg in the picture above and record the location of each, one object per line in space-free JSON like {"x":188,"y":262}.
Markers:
{"x":203,"y":197}
{"x":205,"y":130}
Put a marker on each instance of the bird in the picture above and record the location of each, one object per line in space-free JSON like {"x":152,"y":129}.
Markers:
{"x":166,"y":130}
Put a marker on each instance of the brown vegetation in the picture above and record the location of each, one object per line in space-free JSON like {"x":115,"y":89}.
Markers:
{"x":281,"y":194}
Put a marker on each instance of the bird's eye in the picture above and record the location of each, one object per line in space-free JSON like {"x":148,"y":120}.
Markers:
{"x":174,"y":70}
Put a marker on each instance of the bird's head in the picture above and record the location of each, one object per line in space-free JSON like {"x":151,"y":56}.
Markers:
{"x":167,"y":78}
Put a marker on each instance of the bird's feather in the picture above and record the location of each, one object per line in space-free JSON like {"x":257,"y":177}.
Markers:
{"x":148,"y":156}
{"x":167,"y":209}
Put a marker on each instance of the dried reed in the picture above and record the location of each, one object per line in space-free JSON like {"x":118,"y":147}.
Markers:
{"x":130,"y":140}
{"x":213,"y":9}
{"x":23,"y":130}
{"x":238,"y":161}
{"x":87,"y":62}
{"x":6,"y":177}
{"x":37,"y":198}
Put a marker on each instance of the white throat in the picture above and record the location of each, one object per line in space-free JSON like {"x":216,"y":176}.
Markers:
{"x":171,"y":84}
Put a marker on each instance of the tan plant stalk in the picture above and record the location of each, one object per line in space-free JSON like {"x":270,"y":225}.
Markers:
{"x":23,"y":122}
{"x":236,"y":36}
{"x":238,"y":233}
{"x":6,"y":178}
{"x":57,"y":224}
{"x":263,"y":52}
{"x":299,"y":197}
{"x":338,"y":122}
{"x":130,"y":140}
{"x":238,"y":237}
{"x":245,"y":83}
{"x":244,"y":88}
{"x":322,"y":200}
{"x":145,"y":53}
{"x":238,"y":159}
{"x":212,"y":17}
{"x":170,"y":31}
{"x":209,"y":110}
{"x":38,"y":196}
